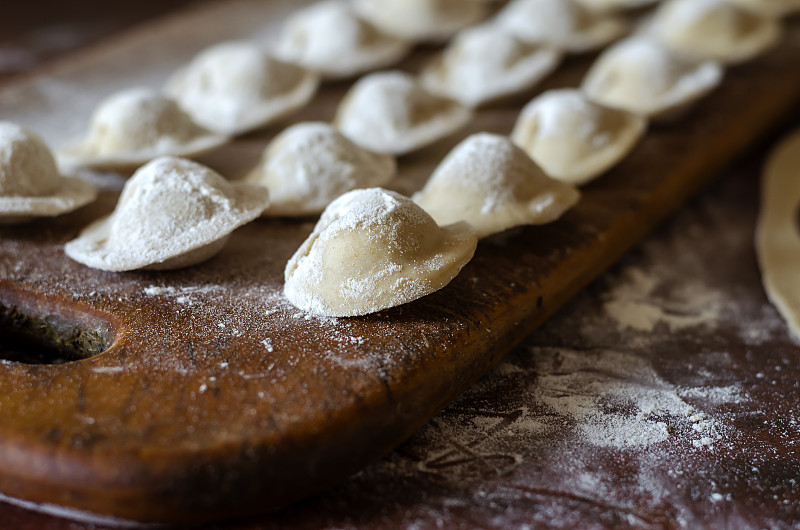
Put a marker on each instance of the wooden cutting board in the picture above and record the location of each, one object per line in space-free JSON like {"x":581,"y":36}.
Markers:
{"x":213,"y":397}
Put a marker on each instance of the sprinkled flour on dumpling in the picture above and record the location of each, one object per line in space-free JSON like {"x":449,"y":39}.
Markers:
{"x":389,"y":112}
{"x":30,"y":184}
{"x":171,"y":213}
{"x":329,"y":38}
{"x":371,"y":250}
{"x":134,"y":126}
{"x":236,"y":87}
{"x":573,"y":139}
{"x":310,"y":164}
{"x":493,"y":185}
{"x":486,"y":63}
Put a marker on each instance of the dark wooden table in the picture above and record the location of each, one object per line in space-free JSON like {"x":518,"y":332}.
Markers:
{"x":665,"y":395}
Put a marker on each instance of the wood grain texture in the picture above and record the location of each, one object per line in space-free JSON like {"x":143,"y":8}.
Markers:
{"x":216,"y":398}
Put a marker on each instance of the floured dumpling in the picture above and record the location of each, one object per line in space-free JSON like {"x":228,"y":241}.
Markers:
{"x":562,"y":23}
{"x":310,"y":164}
{"x":770,"y":7}
{"x":493,"y":185}
{"x":236,"y":87}
{"x":713,"y":29}
{"x":486,"y":63}
{"x":573,"y":139}
{"x":330,"y":39}
{"x":371,"y":250}
{"x":136,"y":125}
{"x":30,"y":184}
{"x":421,"y":20}
{"x":389,"y":112}
{"x":603,"y":6}
{"x":642,"y":76}
{"x":172,"y":213}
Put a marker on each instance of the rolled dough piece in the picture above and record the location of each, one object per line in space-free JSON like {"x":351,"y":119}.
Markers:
{"x":778,"y":233}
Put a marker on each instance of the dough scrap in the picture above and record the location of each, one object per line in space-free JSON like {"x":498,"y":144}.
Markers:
{"x":774,"y":8}
{"x":330,"y":39}
{"x":421,"y":20}
{"x":30,"y":184}
{"x":310,"y":164}
{"x":573,"y":139}
{"x":134,"y":126}
{"x":389,"y":112}
{"x":493,"y":185}
{"x":777,"y":235}
{"x":371,"y":250}
{"x":235,"y":87}
{"x":642,"y":76}
{"x":486,"y":63}
{"x":562,"y":23}
{"x":714,"y":30}
{"x":171,"y":213}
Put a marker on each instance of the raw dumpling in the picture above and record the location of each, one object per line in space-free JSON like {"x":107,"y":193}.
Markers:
{"x":421,"y":20}
{"x":236,"y":87}
{"x":374,"y":249}
{"x":713,"y":29}
{"x":486,"y":63}
{"x":30,"y":184}
{"x":603,"y":6}
{"x":573,"y":139}
{"x":389,"y":112}
{"x":562,"y":23}
{"x":172,"y":213}
{"x":493,"y":185}
{"x":310,"y":164}
{"x":640,"y":75}
{"x":134,"y":126}
{"x":777,"y":237}
{"x":770,"y":7}
{"x":330,"y":39}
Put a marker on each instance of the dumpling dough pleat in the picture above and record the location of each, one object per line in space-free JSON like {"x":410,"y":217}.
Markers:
{"x":134,"y":126}
{"x":573,"y":139}
{"x":640,"y":75}
{"x":330,"y":39}
{"x":235,"y":87}
{"x":777,"y":236}
{"x":172,"y":213}
{"x":714,"y":30}
{"x":310,"y":164}
{"x":371,"y":250}
{"x":421,"y":20}
{"x":30,"y":184}
{"x":486,"y":63}
{"x":493,"y":185}
{"x":389,"y":112}
{"x":562,"y":23}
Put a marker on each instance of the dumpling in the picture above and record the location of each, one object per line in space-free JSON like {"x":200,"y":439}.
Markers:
{"x":310,"y":164}
{"x":389,"y":112}
{"x":573,"y":139}
{"x":330,"y":39}
{"x":714,"y":29}
{"x":770,"y":7}
{"x":562,"y":23}
{"x":486,"y":63}
{"x":172,"y":213}
{"x":30,"y":184}
{"x":134,"y":126}
{"x":493,"y":185}
{"x":421,"y":20}
{"x":603,"y":6}
{"x":236,"y":87}
{"x":642,"y":76}
{"x":371,"y":250}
